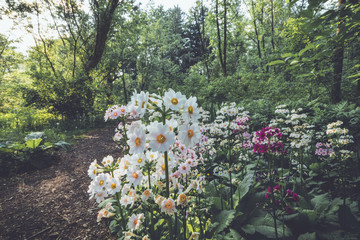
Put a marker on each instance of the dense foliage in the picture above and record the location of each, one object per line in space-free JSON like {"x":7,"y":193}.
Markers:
{"x":276,"y":152}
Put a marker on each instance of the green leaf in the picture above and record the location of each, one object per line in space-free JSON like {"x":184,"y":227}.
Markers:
{"x":249,"y":229}
{"x":307,"y":48}
{"x":276,"y":62}
{"x":233,"y":235}
{"x":33,"y":143}
{"x":114,"y":226}
{"x":224,"y":219}
{"x":287,"y":55}
{"x":307,"y":236}
{"x":294,"y":62}
{"x":321,"y":202}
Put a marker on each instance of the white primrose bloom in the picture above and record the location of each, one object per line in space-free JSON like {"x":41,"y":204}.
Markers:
{"x":184,"y":168}
{"x":107,"y":161}
{"x":113,"y":185}
{"x":137,"y":141}
{"x":100,"y":196}
{"x":141,"y":102}
{"x":93,"y":168}
{"x":124,"y":165}
{"x":135,"y":221}
{"x":172,"y":124}
{"x":191,"y":111}
{"x":160,"y":136}
{"x":189,"y":134}
{"x":100,"y":181}
{"x":173,"y":101}
{"x":134,"y":176}
{"x":138,"y":159}
{"x":168,"y":206}
{"x":126,"y":200}
{"x":146,"y":195}
{"x":152,"y":156}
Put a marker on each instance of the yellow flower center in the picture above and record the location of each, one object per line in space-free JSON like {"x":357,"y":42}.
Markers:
{"x":115,"y":114}
{"x":94,"y":171}
{"x":135,"y":221}
{"x":190,"y":110}
{"x":171,"y":128}
{"x":190,"y":133}
{"x":143,"y":105}
{"x":137,"y":141}
{"x":147,"y":193}
{"x":101,"y":182}
{"x":174,"y":101}
{"x":163,"y":167}
{"x":184,"y":168}
{"x":168,"y":204}
{"x":113,"y":186}
{"x":135,"y":175}
{"x":160,"y":138}
{"x":182,"y":197}
{"x":122,"y":110}
{"x":139,"y":160}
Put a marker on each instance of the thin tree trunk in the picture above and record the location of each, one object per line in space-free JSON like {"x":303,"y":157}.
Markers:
{"x":225,"y":38}
{"x":219,"y":35}
{"x":338,"y":58}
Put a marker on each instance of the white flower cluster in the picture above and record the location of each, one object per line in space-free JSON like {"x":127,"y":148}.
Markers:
{"x":160,"y":155}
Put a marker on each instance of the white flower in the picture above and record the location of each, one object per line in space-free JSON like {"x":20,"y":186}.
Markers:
{"x":152,"y":156}
{"x":126,"y":200}
{"x":160,"y":136}
{"x":146,"y":195}
{"x":182,"y":199}
{"x":142,"y":102}
{"x":174,"y":101}
{"x":168,"y":206}
{"x":189,"y":134}
{"x":107,"y":161}
{"x":100,"y":181}
{"x":100,"y":196}
{"x":137,"y":141}
{"x":93,"y":170}
{"x":113,"y":185}
{"x":172,"y":124}
{"x":191,"y":111}
{"x":134,"y":176}
{"x":124,"y":164}
{"x":135,"y":221}
{"x":184,"y":168}
{"x":138,"y":159}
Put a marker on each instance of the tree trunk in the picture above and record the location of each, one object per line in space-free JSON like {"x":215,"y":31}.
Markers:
{"x":102,"y":29}
{"x":338,"y":58}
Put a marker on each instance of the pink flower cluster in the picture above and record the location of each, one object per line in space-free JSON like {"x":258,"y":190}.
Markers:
{"x":268,"y":140}
{"x":323,"y":149}
{"x":284,"y":202}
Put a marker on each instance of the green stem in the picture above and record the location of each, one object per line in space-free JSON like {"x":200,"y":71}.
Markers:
{"x":167,"y":174}
{"x":184,"y":223}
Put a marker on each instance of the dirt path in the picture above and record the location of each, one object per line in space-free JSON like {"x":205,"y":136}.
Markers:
{"x":53,"y":203}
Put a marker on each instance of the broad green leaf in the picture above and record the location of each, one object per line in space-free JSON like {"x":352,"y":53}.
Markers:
{"x":224,"y":219}
{"x":307,"y":236}
{"x":249,"y":229}
{"x":233,"y":235}
{"x":33,"y":143}
{"x":286,"y":55}
{"x":276,"y":62}
{"x":307,"y":48}
{"x":34,"y":135}
{"x":321,"y":202}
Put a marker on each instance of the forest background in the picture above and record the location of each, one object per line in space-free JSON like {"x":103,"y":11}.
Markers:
{"x":258,"y":54}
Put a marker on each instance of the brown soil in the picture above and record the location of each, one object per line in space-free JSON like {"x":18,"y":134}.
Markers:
{"x":53,"y":203}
